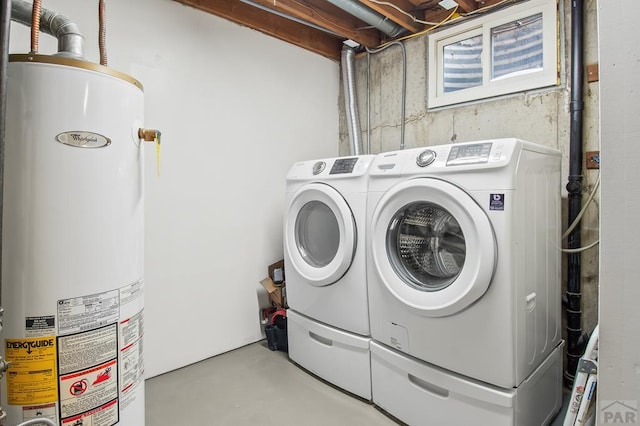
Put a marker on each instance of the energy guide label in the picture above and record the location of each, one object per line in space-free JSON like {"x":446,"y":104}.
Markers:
{"x":32,"y":377}
{"x":88,"y":312}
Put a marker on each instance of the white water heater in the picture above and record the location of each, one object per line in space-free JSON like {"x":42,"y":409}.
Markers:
{"x":72,"y":271}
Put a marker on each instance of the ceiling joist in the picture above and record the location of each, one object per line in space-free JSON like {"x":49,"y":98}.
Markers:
{"x":341,"y":24}
{"x":321,"y":27}
{"x":395,"y":15}
{"x":293,"y":32}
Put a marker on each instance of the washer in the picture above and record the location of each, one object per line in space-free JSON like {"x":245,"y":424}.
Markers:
{"x":464,"y":259}
{"x":325,"y":267}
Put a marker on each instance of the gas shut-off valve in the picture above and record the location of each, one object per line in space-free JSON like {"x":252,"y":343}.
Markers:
{"x":152,"y":135}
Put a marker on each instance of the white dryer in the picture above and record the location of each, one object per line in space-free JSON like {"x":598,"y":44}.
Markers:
{"x":324,"y":254}
{"x":464,"y":259}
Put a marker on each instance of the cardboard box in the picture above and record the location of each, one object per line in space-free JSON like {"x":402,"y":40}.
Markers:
{"x":277,"y":293}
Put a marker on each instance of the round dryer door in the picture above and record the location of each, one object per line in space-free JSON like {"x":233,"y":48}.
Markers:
{"x":433,"y":246}
{"x":320,"y":234}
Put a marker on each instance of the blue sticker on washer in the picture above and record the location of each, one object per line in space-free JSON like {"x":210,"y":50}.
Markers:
{"x":496,"y":202}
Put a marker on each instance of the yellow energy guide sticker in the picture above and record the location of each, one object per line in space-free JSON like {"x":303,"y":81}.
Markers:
{"x":31,"y":377}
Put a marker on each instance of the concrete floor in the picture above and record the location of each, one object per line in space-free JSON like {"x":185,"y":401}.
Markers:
{"x":254,"y":386}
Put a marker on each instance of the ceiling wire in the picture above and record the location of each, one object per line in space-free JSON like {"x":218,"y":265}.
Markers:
{"x":449,"y":19}
{"x":410,"y":36}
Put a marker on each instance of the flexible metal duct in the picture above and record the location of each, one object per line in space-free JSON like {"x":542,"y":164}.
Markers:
{"x":350,"y":101}
{"x":369,"y":16}
{"x":70,"y":40}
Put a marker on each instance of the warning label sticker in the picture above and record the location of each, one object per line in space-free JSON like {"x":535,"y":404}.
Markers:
{"x":105,"y":415}
{"x":32,"y":412}
{"x":131,"y":361}
{"x":131,"y":292}
{"x":88,"y":312}
{"x":40,"y":326}
{"x":32,"y":376}
{"x":88,"y":390}
{"x":81,"y":351}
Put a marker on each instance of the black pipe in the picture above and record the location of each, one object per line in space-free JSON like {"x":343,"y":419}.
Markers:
{"x":575,"y":345}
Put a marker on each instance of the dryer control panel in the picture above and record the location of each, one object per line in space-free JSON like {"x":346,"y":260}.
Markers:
{"x":343,"y":165}
{"x":469,"y":154}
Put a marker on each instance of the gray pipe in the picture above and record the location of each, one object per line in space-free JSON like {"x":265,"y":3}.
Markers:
{"x":369,"y":16}
{"x":5,"y":26}
{"x":351,"y":107}
{"x":70,"y":40}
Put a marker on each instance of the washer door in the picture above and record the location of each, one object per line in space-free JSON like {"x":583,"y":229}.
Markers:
{"x":320,"y":234}
{"x":433,"y":246}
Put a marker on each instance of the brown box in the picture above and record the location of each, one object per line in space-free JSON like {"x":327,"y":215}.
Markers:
{"x":277,"y":293}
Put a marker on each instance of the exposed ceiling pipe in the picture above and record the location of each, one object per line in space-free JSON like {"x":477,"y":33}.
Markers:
{"x":70,"y":40}
{"x":102,"y":32}
{"x":350,"y":101}
{"x":369,"y":16}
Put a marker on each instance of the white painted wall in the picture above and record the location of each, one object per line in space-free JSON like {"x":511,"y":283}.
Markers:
{"x":236,"y":108}
{"x":619,"y":355}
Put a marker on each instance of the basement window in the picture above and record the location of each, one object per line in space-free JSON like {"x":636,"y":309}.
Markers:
{"x":509,"y":51}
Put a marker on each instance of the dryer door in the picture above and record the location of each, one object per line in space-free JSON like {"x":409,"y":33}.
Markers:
{"x":433,"y":246}
{"x":320,"y":234}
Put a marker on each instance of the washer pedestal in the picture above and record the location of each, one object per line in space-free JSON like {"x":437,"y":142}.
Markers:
{"x":418,"y":393}
{"x":339,"y":357}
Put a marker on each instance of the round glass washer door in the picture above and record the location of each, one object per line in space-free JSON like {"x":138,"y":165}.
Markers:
{"x":320,"y":234}
{"x":432,"y":246}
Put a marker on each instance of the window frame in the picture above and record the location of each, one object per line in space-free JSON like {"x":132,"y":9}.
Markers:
{"x":548,"y":76}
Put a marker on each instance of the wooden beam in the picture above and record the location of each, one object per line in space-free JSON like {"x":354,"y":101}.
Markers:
{"x":284,"y":29}
{"x":466,"y":6}
{"x":328,"y":17}
{"x":395,"y":15}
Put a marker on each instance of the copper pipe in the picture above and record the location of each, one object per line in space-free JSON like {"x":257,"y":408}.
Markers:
{"x":148,"y":135}
{"x":35,"y":25}
{"x":102,"y":35}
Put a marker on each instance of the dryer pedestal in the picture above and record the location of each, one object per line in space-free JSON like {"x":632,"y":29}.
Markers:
{"x":339,"y":357}
{"x":418,"y":393}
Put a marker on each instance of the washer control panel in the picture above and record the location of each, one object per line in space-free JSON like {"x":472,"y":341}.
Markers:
{"x":469,"y":154}
{"x":343,"y":165}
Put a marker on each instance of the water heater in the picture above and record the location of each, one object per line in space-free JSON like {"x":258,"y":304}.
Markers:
{"x":73,"y":278}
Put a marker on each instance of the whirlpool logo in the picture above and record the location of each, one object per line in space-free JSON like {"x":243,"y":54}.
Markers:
{"x":81,"y":139}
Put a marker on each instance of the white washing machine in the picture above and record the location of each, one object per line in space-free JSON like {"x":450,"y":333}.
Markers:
{"x":324,"y":254}
{"x":464,"y":259}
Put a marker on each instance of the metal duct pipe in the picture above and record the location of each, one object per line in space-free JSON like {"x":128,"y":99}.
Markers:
{"x":575,"y":343}
{"x":369,"y":16}
{"x":70,"y":40}
{"x":350,"y":101}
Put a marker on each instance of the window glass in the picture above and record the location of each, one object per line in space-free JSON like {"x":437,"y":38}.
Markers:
{"x":516,"y":47}
{"x":463,"y":64}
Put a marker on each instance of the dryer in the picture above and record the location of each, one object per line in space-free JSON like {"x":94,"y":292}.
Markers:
{"x":324,"y":254}
{"x":464,"y":259}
